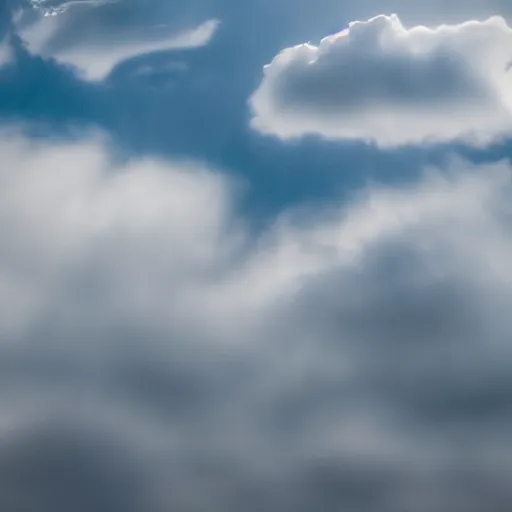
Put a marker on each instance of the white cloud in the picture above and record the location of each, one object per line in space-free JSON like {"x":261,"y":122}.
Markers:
{"x":95,"y":49}
{"x":66,"y":201}
{"x":362,"y":347}
{"x":380,"y":81}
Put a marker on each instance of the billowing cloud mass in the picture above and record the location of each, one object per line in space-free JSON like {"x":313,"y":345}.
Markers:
{"x":382,"y":82}
{"x":157,"y":355}
{"x":95,"y":36}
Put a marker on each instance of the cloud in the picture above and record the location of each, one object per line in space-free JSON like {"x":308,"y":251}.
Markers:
{"x":5,"y":53}
{"x":153,"y":350}
{"x":48,"y":8}
{"x":79,"y":34}
{"x":74,"y":204}
{"x":381,"y":82}
{"x":68,"y":467}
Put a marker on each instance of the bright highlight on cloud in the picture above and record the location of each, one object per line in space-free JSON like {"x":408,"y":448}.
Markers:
{"x":382,"y":82}
{"x":49,"y":8}
{"x":153,"y":351}
{"x":94,"y":49}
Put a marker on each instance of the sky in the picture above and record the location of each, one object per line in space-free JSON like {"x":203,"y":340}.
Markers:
{"x":255,"y":256}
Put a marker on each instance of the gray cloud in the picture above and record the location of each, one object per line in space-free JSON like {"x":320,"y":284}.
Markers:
{"x":153,"y":351}
{"x":63,"y":467}
{"x":382,"y":82}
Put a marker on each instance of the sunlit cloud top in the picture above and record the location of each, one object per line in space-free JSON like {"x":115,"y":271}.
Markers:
{"x":382,"y":82}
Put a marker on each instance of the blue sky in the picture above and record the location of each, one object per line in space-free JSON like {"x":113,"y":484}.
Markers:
{"x":255,"y":256}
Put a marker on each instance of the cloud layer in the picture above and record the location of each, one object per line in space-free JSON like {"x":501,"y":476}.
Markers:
{"x":154,"y":351}
{"x":382,"y":82}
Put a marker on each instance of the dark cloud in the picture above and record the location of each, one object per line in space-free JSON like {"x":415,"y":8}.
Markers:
{"x":154,"y":352}
{"x":59,"y":467}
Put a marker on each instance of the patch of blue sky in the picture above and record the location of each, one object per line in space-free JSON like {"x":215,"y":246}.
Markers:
{"x":203,"y":113}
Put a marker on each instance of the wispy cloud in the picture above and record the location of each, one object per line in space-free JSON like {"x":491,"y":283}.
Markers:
{"x":49,"y":8}
{"x":6,"y":54}
{"x":95,"y":57}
